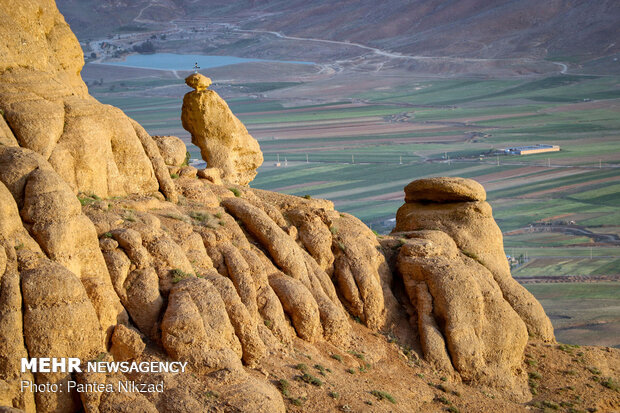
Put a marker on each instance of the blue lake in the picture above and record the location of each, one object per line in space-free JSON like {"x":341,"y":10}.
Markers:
{"x":171,"y":61}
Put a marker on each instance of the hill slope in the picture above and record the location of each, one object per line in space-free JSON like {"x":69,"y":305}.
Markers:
{"x":579,"y":30}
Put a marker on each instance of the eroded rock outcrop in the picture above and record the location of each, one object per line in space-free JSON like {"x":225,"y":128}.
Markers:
{"x":46,"y":107}
{"x":223,"y":140}
{"x":457,"y":207}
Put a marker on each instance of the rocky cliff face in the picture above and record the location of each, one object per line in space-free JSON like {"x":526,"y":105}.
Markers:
{"x":103,"y":255}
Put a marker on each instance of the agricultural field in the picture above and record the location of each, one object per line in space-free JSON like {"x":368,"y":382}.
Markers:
{"x":359,"y":140}
{"x":582,"y":313}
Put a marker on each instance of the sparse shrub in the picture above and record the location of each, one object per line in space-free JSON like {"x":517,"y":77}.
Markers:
{"x":235,"y":191}
{"x":350,"y":371}
{"x":178,"y":275}
{"x":200,"y":216}
{"x":211,"y":395}
{"x":284,"y":387}
{"x":310,"y":379}
{"x":341,"y":246}
{"x":307,"y":196}
{"x":381,"y":395}
{"x":333,"y":230}
{"x":551,"y":405}
{"x":107,"y":235}
{"x":19,"y":246}
{"x":174,"y":176}
{"x":296,"y":402}
{"x":218,"y":215}
{"x":268,"y":323}
{"x":302,"y":367}
{"x":452,"y":409}
{"x":186,"y":161}
{"x":334,"y":394}
{"x":356,"y":354}
{"x":531,"y":362}
{"x":320,"y":368}
{"x":594,"y":370}
{"x":534,"y":375}
{"x":443,"y":400}
{"x":610,"y":383}
{"x":337,"y":357}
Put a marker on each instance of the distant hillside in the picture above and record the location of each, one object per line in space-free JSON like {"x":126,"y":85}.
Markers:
{"x":572,"y":30}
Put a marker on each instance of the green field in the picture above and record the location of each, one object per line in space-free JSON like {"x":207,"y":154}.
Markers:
{"x":582,"y":313}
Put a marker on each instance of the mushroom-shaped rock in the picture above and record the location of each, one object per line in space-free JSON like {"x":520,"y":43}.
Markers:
{"x":469,"y":222}
{"x":444,"y":189}
{"x":223,"y":140}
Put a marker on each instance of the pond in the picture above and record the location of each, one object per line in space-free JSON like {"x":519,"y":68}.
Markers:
{"x":171,"y":61}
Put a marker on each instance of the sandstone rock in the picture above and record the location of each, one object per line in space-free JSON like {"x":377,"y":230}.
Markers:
{"x":161,"y":172}
{"x":196,"y":190}
{"x":244,"y":325}
{"x":188,"y":172}
{"x":198,"y":82}
{"x":172,"y":149}
{"x":6,"y":134}
{"x":69,"y":238}
{"x":484,"y":335}
{"x":57,"y":315}
{"x":12,"y":346}
{"x":144,"y":301}
{"x":196,"y":327}
{"x":223,"y":140}
{"x":299,"y":304}
{"x":126,"y":344}
{"x":210,"y":174}
{"x":315,"y":236}
{"x":46,"y":104}
{"x":476,"y":234}
{"x":444,"y":189}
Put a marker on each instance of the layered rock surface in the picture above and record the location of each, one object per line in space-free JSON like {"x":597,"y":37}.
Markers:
{"x":103,"y":254}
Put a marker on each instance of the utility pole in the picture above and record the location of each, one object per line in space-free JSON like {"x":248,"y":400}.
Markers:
{"x":307,"y":158}
{"x":401,"y":160}
{"x":352,"y":158}
{"x":497,"y":157}
{"x":278,"y":157}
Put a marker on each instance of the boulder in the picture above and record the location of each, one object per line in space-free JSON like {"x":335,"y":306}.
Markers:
{"x":210,"y":174}
{"x":126,"y":343}
{"x":172,"y":149}
{"x":198,"y":82}
{"x":444,"y":189}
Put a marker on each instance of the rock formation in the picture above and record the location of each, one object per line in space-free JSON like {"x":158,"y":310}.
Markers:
{"x":99,"y":260}
{"x":223,"y":140}
{"x":46,"y":108}
{"x":457,"y":207}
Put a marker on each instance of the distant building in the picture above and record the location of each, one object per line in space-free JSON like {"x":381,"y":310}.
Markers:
{"x":532,"y":149}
